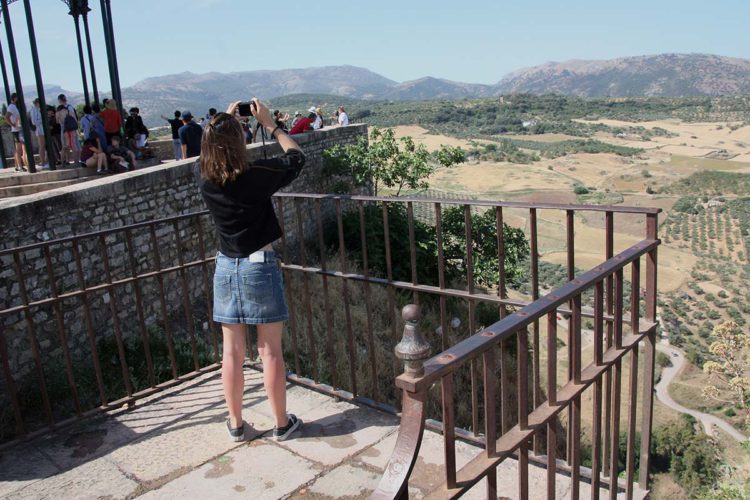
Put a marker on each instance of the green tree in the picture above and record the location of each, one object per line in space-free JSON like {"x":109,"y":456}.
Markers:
{"x":728,"y":370}
{"x":691,"y":457}
{"x":484,"y":246}
{"x":385,"y":161}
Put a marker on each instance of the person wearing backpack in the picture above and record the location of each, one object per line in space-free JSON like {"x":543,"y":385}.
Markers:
{"x":68,"y":120}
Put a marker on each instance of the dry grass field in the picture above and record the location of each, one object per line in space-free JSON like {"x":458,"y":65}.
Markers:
{"x":631,"y":181}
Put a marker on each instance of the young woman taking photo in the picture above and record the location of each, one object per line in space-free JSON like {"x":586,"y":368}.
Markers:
{"x":248,"y":287}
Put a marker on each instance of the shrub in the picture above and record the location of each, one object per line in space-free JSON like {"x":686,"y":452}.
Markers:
{"x":580,"y":189}
{"x":663,"y":360}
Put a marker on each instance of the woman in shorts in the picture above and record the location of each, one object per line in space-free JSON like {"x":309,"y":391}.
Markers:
{"x":248,"y":286}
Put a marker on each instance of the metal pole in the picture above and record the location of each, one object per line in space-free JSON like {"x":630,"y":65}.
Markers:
{"x":114,"y":54}
{"x":19,"y":88}
{"x":3,"y":160}
{"x":80,"y":58}
{"x":39,"y":86}
{"x":5,"y":76}
{"x":90,"y":52}
{"x":108,"y":46}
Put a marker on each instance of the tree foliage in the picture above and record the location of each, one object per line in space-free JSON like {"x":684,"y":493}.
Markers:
{"x":484,"y":246}
{"x":691,"y":457}
{"x":729,"y":370}
{"x":385,"y":161}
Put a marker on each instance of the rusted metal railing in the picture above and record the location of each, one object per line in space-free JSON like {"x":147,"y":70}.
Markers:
{"x":344,"y":321}
{"x":117,"y":280}
{"x":616,"y":336}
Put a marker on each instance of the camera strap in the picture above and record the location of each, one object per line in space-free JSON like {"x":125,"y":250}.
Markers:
{"x":263,"y":138}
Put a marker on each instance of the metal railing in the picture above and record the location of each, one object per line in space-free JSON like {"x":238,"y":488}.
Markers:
{"x":118,"y":281}
{"x":344,"y":321}
{"x":615,"y":336}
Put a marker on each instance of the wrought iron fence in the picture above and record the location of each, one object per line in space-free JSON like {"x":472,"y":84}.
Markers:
{"x":350,"y":262}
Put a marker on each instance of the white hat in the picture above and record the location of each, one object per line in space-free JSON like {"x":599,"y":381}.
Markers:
{"x":311,"y":110}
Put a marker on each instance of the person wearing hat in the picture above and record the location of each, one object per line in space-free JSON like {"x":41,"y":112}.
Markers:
{"x":318,"y":123}
{"x":190,"y":136}
{"x":297,"y":117}
{"x":343,"y":118}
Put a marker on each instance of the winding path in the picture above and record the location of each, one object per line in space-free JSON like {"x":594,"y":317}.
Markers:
{"x":667,"y":375}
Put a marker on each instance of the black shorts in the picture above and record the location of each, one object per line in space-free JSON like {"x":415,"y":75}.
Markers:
{"x":17,"y":137}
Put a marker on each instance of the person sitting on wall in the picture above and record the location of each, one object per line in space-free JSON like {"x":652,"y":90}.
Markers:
{"x":343,"y":118}
{"x":136,"y":132}
{"x":303,"y":125}
{"x":281,"y":120}
{"x":93,"y":126}
{"x":119,"y":155}
{"x":297,"y":117}
{"x":92,"y":155}
{"x":318,"y":122}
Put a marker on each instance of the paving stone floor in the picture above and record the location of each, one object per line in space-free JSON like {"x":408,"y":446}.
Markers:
{"x":174,"y":446}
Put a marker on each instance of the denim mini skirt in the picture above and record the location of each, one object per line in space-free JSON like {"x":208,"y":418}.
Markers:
{"x":248,"y":292}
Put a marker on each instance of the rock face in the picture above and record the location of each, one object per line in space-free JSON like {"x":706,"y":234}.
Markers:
{"x":658,"y":75}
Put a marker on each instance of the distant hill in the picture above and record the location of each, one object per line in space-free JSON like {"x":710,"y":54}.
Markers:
{"x":658,"y":75}
{"x":437,"y":88}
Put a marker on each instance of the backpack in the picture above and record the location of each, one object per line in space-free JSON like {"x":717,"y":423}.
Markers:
{"x":70,"y":124}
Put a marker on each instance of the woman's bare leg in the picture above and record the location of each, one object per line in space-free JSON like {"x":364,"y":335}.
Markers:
{"x":232,"y":375}
{"x":274,"y":372}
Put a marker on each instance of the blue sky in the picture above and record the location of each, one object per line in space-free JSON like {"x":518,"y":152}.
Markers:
{"x":476,"y":42}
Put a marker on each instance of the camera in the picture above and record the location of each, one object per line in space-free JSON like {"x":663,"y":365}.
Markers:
{"x":246,"y":108}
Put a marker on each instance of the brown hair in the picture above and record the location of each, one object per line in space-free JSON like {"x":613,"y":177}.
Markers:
{"x":222,"y":149}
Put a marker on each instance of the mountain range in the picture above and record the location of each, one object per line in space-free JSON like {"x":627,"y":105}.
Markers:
{"x":654,"y":75}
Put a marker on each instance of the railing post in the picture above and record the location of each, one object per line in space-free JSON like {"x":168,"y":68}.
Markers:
{"x":652,"y":226}
{"x":412,"y":350}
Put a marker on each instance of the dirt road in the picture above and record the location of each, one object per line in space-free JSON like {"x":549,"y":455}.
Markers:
{"x":667,"y":375}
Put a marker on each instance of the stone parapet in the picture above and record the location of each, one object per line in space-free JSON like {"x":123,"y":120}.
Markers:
{"x":106,"y":203}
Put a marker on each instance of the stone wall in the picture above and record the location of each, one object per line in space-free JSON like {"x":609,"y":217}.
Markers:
{"x":109,"y":203}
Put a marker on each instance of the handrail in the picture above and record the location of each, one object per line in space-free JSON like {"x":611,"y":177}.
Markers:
{"x":480,"y":203}
{"x":607,"y":363}
{"x":439,"y":365}
{"x":145,"y":260}
{"x":313,"y":196}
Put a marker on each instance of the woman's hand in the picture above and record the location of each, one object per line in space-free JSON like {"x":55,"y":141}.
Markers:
{"x":262,"y":114}
{"x":232,"y":108}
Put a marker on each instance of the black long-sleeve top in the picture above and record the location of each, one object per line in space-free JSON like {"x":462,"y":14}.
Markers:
{"x":242,"y":210}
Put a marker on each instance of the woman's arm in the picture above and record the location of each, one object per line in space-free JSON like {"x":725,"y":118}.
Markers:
{"x":263,"y":115}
